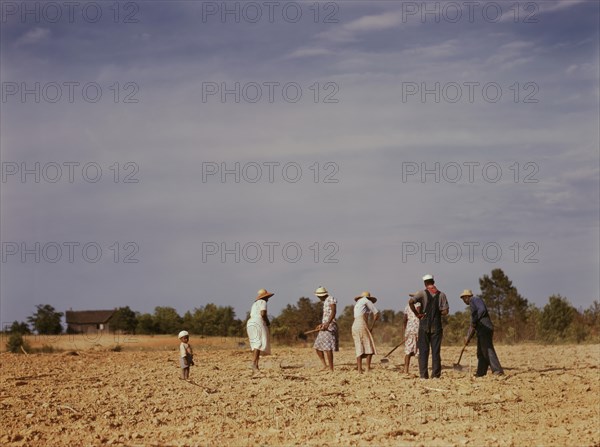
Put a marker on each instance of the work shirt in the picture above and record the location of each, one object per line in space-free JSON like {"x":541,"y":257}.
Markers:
{"x":479,"y":313}
{"x":364,"y":306}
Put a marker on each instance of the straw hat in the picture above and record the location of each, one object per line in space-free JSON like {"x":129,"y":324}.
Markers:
{"x":183,"y":334}
{"x":366,"y":295}
{"x":262,"y":294}
{"x":321,"y":292}
{"x":466,"y":292}
{"x":427,"y":277}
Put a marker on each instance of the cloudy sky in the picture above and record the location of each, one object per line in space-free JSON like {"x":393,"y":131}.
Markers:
{"x":179,"y":153}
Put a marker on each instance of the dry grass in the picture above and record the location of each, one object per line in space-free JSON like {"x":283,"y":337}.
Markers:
{"x":106,"y":342}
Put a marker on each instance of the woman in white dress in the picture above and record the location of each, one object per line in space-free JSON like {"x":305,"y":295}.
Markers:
{"x":363,"y":340}
{"x":258,"y":327}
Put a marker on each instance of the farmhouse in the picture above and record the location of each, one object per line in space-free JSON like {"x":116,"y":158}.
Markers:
{"x":88,"y":321}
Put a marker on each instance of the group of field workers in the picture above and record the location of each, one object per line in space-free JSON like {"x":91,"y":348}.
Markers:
{"x":422,"y":331}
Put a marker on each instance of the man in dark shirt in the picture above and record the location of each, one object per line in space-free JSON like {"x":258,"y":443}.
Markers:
{"x":482,"y":324}
{"x":434,"y":304}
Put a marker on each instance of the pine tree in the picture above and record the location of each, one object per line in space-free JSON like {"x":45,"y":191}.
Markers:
{"x":507,"y":308}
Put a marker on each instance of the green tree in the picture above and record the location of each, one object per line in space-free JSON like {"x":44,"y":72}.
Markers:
{"x":19,"y":328}
{"x":124,"y":319}
{"x":591,"y":319}
{"x":294,"y":320}
{"x":146,"y":324}
{"x":188,"y":322}
{"x":556,"y":318}
{"x":237,"y":329}
{"x":345,"y":320}
{"x":507,"y":308}
{"x":456,"y":327}
{"x":534,"y":317}
{"x":46,"y":321}
{"x":167,"y":320}
{"x":578,"y":331}
{"x":212,"y":320}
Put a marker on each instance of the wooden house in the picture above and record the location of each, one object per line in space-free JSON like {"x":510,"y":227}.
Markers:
{"x":88,"y":321}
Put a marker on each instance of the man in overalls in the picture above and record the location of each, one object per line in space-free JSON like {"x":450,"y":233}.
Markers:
{"x":434,"y":304}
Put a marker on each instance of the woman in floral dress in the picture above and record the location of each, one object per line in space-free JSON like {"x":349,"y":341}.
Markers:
{"x":327,"y":340}
{"x":411,"y":334}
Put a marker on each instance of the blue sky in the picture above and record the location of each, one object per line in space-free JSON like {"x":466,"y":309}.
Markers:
{"x":517,"y":105}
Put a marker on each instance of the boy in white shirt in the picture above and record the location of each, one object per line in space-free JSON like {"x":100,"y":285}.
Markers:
{"x":186,"y":356}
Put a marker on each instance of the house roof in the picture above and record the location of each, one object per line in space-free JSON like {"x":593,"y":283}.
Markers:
{"x":88,"y":316}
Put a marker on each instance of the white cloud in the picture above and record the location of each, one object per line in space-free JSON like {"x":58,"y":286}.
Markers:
{"x":374,"y":22}
{"x":558,"y":5}
{"x":511,"y":54}
{"x":34,"y":36}
{"x":585,"y":71}
{"x":365,"y":24}
{"x":448,"y":48}
{"x":571,"y":69}
{"x":309,"y":52}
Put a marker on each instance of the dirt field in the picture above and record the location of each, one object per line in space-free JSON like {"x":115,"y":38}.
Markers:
{"x":549,"y":396}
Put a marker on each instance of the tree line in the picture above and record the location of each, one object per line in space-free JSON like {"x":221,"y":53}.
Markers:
{"x":515,"y":319}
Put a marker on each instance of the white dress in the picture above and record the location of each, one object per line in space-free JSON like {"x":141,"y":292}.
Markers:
{"x":363,"y":340}
{"x":258,"y":332}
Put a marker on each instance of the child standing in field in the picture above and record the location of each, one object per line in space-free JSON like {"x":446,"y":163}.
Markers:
{"x":186,"y":356}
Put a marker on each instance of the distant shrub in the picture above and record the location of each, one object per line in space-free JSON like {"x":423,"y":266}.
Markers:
{"x":46,"y":349}
{"x":14,"y":343}
{"x":510,"y":338}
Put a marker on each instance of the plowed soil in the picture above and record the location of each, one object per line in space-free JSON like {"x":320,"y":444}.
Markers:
{"x":549,"y":396}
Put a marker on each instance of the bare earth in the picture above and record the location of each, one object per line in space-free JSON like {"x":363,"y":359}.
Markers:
{"x":549,"y":396}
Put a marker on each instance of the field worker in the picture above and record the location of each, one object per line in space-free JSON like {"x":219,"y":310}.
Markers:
{"x":434,"y":304}
{"x":327,"y":340}
{"x":258,"y":327}
{"x":411,"y":333}
{"x":186,"y":356}
{"x":482,"y":324}
{"x":363,"y":340}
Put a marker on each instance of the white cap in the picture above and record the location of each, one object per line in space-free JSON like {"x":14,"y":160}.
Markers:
{"x":183,"y":334}
{"x":427,"y":277}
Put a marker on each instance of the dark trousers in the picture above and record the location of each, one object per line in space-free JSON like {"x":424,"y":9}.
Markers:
{"x":427,"y":339}
{"x":486,"y":354}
